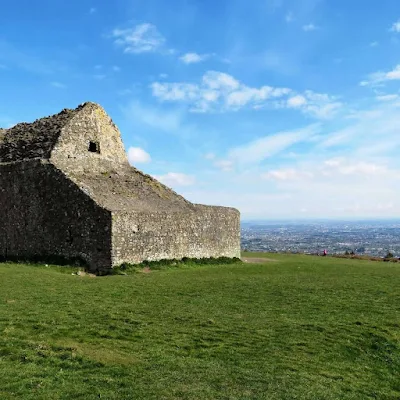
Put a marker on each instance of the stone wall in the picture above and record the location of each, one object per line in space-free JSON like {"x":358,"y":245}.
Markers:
{"x":90,"y":124}
{"x":205,"y":232}
{"x":67,"y":190}
{"x":46,"y":216}
{"x":32,"y":140}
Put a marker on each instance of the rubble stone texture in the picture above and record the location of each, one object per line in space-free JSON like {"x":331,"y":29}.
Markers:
{"x":68,"y":191}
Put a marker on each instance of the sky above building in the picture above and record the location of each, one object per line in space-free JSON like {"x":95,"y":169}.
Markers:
{"x":281,"y":108}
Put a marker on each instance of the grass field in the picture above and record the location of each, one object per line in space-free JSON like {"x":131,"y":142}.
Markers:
{"x":300,"y":327}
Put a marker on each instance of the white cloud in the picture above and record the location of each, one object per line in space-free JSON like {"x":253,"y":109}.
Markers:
{"x":176,"y":179}
{"x":174,"y":91}
{"x":143,"y":38}
{"x":244,"y":95}
{"x":296,"y":101}
{"x":115,"y":68}
{"x":219,"y":91}
{"x":396,"y":27}
{"x":220,"y":80}
{"x":58,"y":85}
{"x":92,"y":10}
{"x":319,"y":105}
{"x":309,"y":28}
{"x":379,"y":78}
{"x":137,"y":155}
{"x":374,"y":44}
{"x":395,"y":74}
{"x":192,"y":58}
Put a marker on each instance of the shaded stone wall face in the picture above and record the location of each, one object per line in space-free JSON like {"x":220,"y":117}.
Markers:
{"x":45,"y":215}
{"x":206,"y":232}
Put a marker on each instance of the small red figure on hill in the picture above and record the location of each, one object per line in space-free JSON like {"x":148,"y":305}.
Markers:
{"x":324,"y":253}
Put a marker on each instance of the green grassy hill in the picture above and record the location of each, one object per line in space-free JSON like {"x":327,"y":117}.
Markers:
{"x":294,"y":327}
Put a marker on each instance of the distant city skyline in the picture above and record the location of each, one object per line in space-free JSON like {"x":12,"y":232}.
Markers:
{"x":280,"y":108}
{"x":365,"y":237}
{"x":316,"y":220}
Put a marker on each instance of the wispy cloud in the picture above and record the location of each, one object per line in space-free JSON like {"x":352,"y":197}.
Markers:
{"x":143,"y":38}
{"x":374,"y":44}
{"x":366,"y":164}
{"x":222,"y":92}
{"x":379,"y":78}
{"x":268,"y":146}
{"x":289,"y":17}
{"x":309,"y":28}
{"x":58,"y":85}
{"x":319,"y":105}
{"x":209,"y":156}
{"x":92,"y":10}
{"x":369,"y":132}
{"x":25,"y":59}
{"x":192,"y":58}
{"x":388,"y":97}
{"x":163,"y":120}
{"x":224,"y":165}
{"x":286,"y":174}
{"x":395,"y":27}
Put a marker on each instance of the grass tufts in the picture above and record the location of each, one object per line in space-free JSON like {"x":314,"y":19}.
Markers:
{"x":163,"y":264}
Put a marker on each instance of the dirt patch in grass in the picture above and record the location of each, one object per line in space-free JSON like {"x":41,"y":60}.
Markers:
{"x":255,"y":260}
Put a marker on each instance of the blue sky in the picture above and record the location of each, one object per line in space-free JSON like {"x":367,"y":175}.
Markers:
{"x":281,"y":108}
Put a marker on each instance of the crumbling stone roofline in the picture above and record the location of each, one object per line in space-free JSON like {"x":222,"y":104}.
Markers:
{"x":37,"y":139}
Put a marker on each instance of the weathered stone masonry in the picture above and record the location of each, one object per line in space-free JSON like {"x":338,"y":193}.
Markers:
{"x":67,"y":190}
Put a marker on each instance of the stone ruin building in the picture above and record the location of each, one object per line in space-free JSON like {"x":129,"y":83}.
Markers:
{"x":68,"y":192}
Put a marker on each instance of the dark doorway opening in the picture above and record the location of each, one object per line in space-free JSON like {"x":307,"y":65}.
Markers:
{"x":94,"y":147}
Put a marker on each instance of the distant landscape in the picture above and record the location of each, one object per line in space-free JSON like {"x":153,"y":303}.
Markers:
{"x":374,"y":238}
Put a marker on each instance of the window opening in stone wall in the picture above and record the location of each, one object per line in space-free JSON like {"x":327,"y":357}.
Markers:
{"x":94,"y":147}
